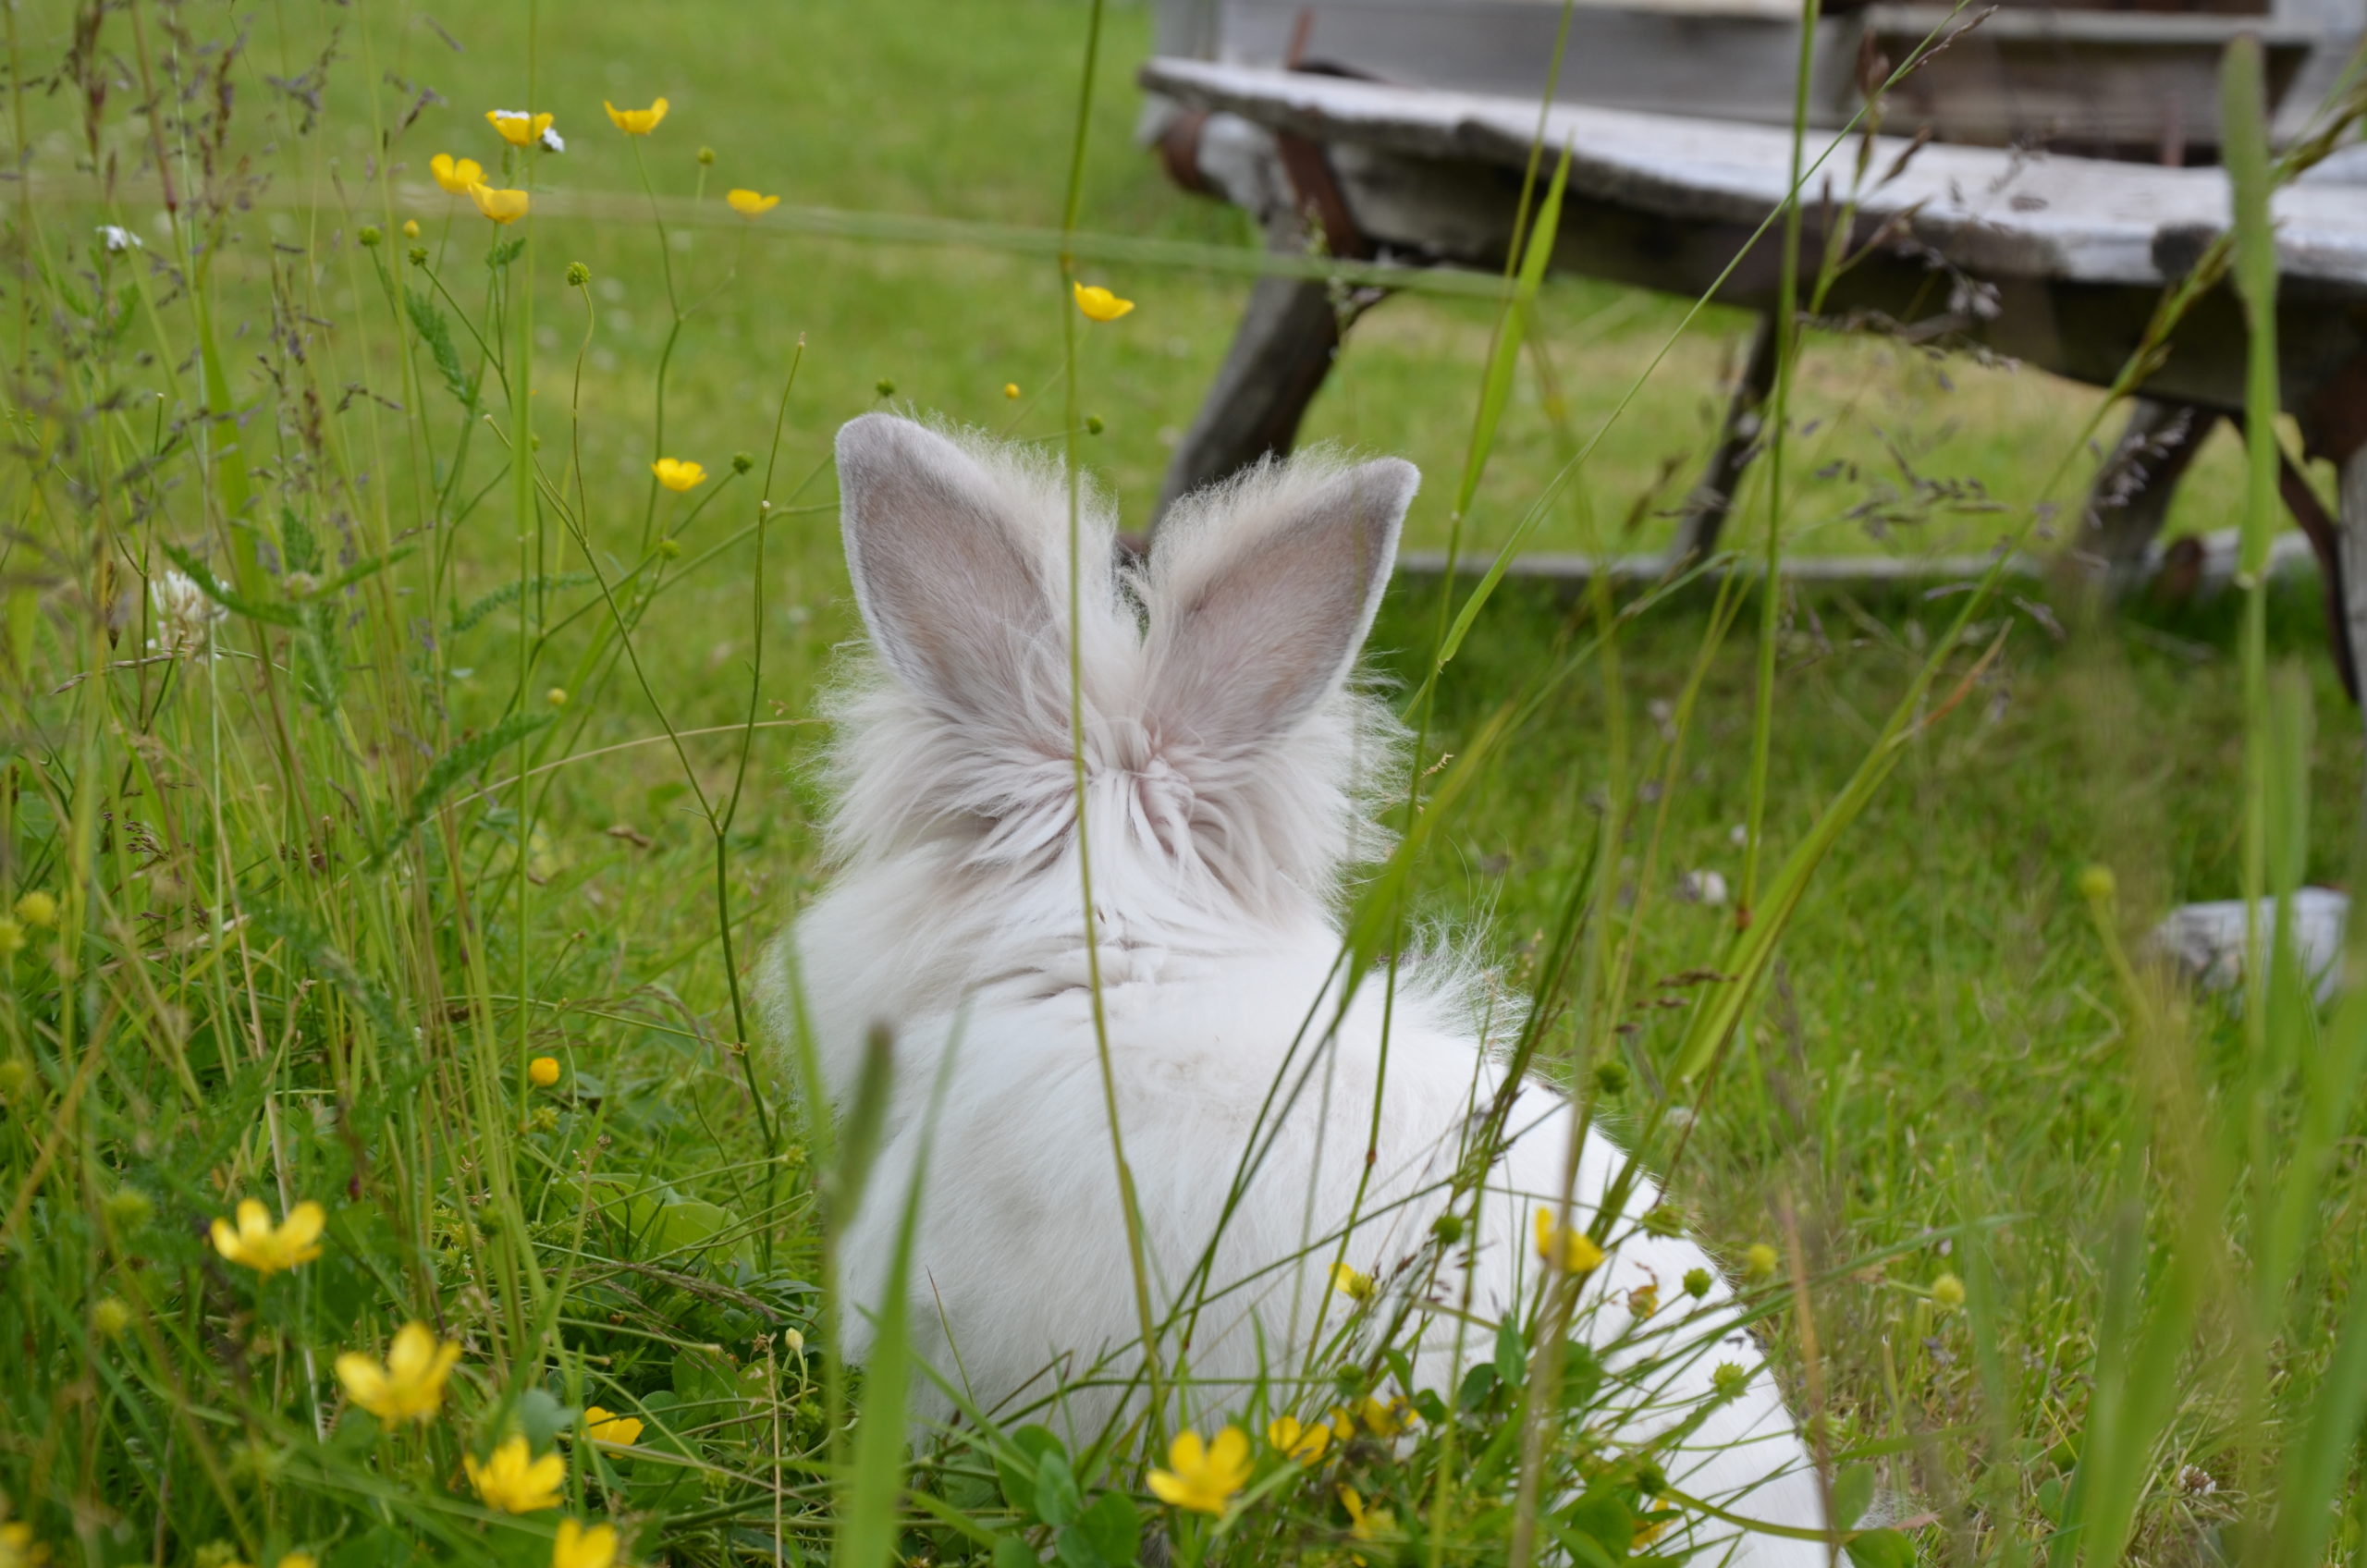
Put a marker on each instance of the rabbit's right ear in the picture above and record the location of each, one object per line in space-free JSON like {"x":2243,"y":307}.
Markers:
{"x":1262,"y":593}
{"x":957,"y":601}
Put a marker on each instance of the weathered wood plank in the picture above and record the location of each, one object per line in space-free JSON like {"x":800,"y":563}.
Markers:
{"x":2206,"y":567}
{"x":1989,"y":210}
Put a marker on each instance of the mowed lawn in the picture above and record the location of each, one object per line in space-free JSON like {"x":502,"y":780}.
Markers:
{"x":1945,"y":1045}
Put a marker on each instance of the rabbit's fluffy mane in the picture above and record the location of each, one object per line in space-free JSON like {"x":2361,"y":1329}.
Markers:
{"x":1185,"y":837}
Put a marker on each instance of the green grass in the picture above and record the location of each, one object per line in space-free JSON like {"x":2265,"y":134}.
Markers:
{"x":258,"y":986}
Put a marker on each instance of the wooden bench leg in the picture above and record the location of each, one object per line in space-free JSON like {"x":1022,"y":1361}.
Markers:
{"x":2352,"y":498}
{"x":1280,"y":353}
{"x":1713,"y":498}
{"x":2130,"y":498}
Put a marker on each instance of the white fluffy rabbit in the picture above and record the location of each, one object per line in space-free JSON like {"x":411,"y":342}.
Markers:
{"x":1229,"y":773}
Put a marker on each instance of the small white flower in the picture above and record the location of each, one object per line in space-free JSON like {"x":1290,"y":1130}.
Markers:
{"x":117,"y":238}
{"x":552,"y":141}
{"x":185,"y":617}
{"x":1702,"y":888}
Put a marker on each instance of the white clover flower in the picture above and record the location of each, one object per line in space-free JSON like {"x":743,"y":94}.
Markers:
{"x":185,"y":617}
{"x":117,"y":238}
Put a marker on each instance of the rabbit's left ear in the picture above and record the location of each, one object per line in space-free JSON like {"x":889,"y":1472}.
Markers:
{"x":957,"y":603}
{"x":1258,"y":605}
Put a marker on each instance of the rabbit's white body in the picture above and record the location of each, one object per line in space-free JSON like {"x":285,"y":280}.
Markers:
{"x":1224,"y":761}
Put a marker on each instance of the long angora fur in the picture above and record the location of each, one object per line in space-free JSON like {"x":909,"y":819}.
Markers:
{"x":1229,"y":766}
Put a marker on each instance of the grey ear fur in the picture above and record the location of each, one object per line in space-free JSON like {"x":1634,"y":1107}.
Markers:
{"x":955,"y":599}
{"x":1262,"y":596}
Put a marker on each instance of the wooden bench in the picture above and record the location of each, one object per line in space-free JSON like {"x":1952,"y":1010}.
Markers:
{"x":2059,"y":262}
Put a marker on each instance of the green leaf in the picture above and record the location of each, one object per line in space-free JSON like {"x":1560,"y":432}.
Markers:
{"x":1012,"y":1552}
{"x":320,"y":665}
{"x":1602,"y":1516}
{"x":1016,"y":1465}
{"x":1114,"y":1525}
{"x":1853,"y":1490}
{"x":298,"y":550}
{"x":665,"y":1227}
{"x":1880,"y":1549}
{"x":656,"y":1480}
{"x":1057,"y":1500}
{"x":454,"y":766}
{"x":369,"y":567}
{"x":867,"y":1525}
{"x":509,"y":592}
{"x":1511,"y":1356}
{"x":543,"y":1417}
{"x":436,"y":332}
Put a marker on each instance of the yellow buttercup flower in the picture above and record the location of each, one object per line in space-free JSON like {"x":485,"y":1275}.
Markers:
{"x":515,"y":1482}
{"x":1365,"y":1523}
{"x":1304,"y":1444}
{"x":1098,"y":303}
{"x":456,"y":175}
{"x":266,"y":1248}
{"x":1010,"y":389}
{"x":636,"y":122}
{"x":300,"y":1560}
{"x":1354,"y":1283}
{"x":1201,"y":1476}
{"x":411,"y":228}
{"x":37,"y":908}
{"x":749,"y":205}
{"x":676,"y":474}
{"x":1385,"y":1420}
{"x":1571,"y":1250}
{"x":582,"y":1546}
{"x":501,"y":206}
{"x":17,"y":1548}
{"x":409,"y":1387}
{"x":603,"y":1426}
{"x":517,"y":127}
{"x":543,"y":1069}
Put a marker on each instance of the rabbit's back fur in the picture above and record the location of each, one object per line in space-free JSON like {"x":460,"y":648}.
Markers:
{"x":1229,"y":766}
